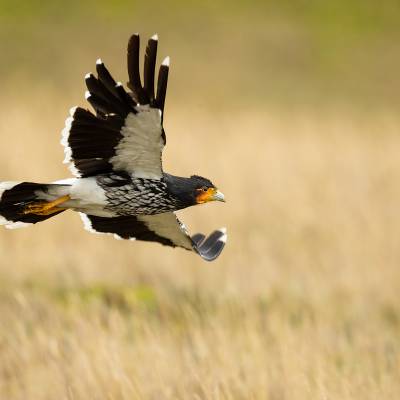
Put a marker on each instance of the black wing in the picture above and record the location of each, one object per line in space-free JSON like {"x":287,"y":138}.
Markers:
{"x":162,"y":228}
{"x":126,"y":132}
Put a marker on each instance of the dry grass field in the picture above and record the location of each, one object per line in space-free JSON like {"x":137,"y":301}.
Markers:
{"x":304,"y":302}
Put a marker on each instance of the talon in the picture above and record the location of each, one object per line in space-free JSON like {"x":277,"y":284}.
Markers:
{"x":46,"y":208}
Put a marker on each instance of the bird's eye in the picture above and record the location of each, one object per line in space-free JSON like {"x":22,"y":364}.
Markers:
{"x":204,"y":189}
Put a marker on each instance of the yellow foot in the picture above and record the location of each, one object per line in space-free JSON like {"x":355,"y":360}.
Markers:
{"x":46,"y":207}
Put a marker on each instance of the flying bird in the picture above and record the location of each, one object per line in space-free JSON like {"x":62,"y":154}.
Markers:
{"x":115,"y":155}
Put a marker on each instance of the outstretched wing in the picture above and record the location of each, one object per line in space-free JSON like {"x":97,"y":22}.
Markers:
{"x":162,"y":228}
{"x":126,"y":132}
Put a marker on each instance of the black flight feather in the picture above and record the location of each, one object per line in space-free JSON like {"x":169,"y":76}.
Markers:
{"x":105,"y":77}
{"x":162,"y":86}
{"x":133,"y":70}
{"x":110,"y":100}
{"x":149,"y":68}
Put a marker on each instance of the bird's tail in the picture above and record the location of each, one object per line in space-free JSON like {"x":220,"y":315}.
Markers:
{"x":24,"y":203}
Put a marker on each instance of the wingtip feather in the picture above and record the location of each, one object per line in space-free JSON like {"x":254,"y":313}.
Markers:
{"x":166,"y":61}
{"x":223,"y":238}
{"x":223,"y":230}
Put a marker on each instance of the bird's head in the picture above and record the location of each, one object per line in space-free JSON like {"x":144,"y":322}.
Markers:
{"x":205,"y":191}
{"x":193,"y":190}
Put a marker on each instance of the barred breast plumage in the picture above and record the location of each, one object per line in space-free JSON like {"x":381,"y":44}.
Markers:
{"x":137,"y":196}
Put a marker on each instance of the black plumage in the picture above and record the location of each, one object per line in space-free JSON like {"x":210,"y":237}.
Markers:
{"x":15,"y":201}
{"x":123,"y":227}
{"x":133,"y":70}
{"x":149,"y":69}
{"x":115,"y":154}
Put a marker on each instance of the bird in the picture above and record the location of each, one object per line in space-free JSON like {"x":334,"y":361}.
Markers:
{"x":115,"y":154}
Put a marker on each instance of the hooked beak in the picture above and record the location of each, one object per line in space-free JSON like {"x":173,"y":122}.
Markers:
{"x":218,"y":196}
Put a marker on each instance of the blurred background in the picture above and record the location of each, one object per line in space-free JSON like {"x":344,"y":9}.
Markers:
{"x":292,"y":109}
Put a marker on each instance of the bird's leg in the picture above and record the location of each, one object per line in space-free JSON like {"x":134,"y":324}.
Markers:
{"x":46,"y":207}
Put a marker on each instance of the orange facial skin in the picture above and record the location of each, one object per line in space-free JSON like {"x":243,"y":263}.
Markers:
{"x":205,"y":195}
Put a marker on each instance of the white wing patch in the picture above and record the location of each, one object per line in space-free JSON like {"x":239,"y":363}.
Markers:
{"x":162,"y":228}
{"x":139,"y":150}
{"x":168,"y":226}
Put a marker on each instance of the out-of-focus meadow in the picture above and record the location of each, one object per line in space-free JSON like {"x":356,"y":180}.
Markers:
{"x":293,"y":111}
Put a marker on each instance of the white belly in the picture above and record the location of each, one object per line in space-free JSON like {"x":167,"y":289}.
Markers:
{"x":87,"y":197}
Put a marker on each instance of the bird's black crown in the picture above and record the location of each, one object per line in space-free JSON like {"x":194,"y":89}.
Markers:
{"x":186,"y":190}
{"x":201,"y":182}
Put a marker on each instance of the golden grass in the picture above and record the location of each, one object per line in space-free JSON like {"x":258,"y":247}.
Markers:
{"x":303,"y":303}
